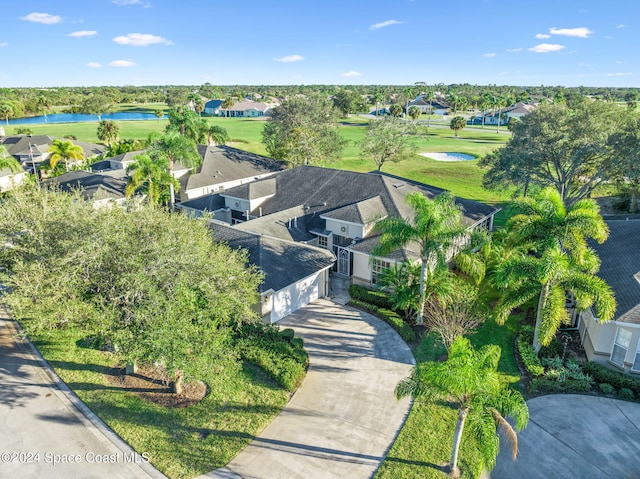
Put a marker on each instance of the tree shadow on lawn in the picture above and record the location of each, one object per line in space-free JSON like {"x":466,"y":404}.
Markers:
{"x":442,"y":468}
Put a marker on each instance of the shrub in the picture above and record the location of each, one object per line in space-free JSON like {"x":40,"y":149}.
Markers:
{"x":371,"y":296}
{"x":626,"y":394}
{"x":391,"y":318}
{"x":529,"y":358}
{"x":545,"y":384}
{"x":616,"y":379}
{"x":606,"y":388}
{"x":287,"y":334}
{"x":284,"y":360}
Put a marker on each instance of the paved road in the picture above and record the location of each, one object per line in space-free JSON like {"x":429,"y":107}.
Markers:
{"x":41,"y":424}
{"x":576,"y":437}
{"x":343,"y":419}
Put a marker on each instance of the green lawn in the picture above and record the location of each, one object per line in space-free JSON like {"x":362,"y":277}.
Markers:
{"x":182,"y":443}
{"x":426,"y":438}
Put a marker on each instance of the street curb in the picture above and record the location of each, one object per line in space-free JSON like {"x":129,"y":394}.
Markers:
{"x":88,"y":418}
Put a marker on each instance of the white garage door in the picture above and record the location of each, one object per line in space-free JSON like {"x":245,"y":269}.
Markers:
{"x":294,"y":297}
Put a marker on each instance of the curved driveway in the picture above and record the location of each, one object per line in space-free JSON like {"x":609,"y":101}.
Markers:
{"x":576,"y":437}
{"x":344,"y":418}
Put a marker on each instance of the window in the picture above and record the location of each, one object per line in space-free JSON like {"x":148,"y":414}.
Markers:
{"x":378,"y":265}
{"x":620,"y":347}
{"x":323,"y":241}
{"x":636,"y":360}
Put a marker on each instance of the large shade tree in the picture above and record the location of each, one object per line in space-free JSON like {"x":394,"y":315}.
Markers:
{"x":558,"y":146}
{"x":389,"y":139}
{"x":625,"y":146}
{"x":469,"y":378}
{"x":434,"y":229}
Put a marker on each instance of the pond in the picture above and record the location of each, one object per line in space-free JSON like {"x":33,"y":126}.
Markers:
{"x":448,"y":156}
{"x":79,"y":117}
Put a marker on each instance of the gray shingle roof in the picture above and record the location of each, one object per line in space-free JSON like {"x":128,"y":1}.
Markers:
{"x":93,"y":185}
{"x":364,"y":212}
{"x":18,"y":145}
{"x":282,"y":262}
{"x":620,"y":257}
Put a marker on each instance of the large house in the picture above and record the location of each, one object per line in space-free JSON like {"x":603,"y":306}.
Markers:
{"x":437,"y":105}
{"x":332,"y":209}
{"x":616,"y":343}
{"x":517,"y":111}
{"x":244,"y":108}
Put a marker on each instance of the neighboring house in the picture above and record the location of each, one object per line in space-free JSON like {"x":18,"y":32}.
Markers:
{"x":116,"y":166}
{"x":246,"y":109}
{"x":617,"y":343}
{"x":34,"y":149}
{"x":332,"y":209}
{"x":101,"y":190}
{"x":295,"y":274}
{"x":212,"y":107}
{"x":437,"y":106}
{"x":224,"y":167}
{"x":9,"y":179}
{"x":517,"y":110}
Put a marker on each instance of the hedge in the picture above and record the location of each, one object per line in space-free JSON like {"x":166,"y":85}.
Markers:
{"x":566,"y":386}
{"x":391,"y":318}
{"x":371,"y":296}
{"x":529,"y":357}
{"x":616,"y":379}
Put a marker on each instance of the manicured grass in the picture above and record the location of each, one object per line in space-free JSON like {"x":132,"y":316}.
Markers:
{"x":182,"y":443}
{"x":426,"y":438}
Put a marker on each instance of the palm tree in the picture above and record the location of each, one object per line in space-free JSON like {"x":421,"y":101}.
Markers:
{"x":377,"y":98}
{"x":486,"y":103}
{"x":457,"y":124}
{"x":158,"y":113}
{"x":434,"y":228}
{"x":64,"y":150}
{"x":414,"y":112}
{"x":550,"y":276}
{"x":226,"y":104}
{"x":150,"y":177}
{"x":171,"y":148}
{"x":470,"y":380}
{"x":8,"y":161}
{"x":430,"y":96}
{"x":6,"y":110}
{"x":108,"y":131}
{"x":216,"y":135}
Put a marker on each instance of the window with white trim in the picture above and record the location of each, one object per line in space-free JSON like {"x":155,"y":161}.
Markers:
{"x":378,"y":265}
{"x":636,"y":360}
{"x":620,"y":347}
{"x":323,"y":241}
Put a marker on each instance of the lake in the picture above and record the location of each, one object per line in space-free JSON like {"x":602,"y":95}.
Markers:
{"x":79,"y":117}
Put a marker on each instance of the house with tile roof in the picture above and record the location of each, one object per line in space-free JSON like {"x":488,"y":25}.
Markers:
{"x":295,"y":274}
{"x":333,"y":209}
{"x":616,"y":343}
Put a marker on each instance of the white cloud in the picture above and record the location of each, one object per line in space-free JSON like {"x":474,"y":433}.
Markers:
{"x":619,"y":74}
{"x":4,"y":44}
{"x":121,"y":63}
{"x":45,"y":18}
{"x":489,"y":55}
{"x":546,"y":48}
{"x":582,"y":32}
{"x":289,"y":59}
{"x":384,"y":24}
{"x":141,"y":40}
{"x":622,"y":25}
{"x":127,"y":2}
{"x":94,"y":65}
{"x":350,"y":73}
{"x":542,"y":36}
{"x":514,"y":50}
{"x":83,"y":33}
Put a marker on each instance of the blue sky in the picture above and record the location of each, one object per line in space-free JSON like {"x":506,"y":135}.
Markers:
{"x":46,"y":43}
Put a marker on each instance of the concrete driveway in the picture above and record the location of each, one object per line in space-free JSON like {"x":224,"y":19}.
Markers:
{"x":576,"y":437}
{"x":46,"y":431}
{"x":344,"y":418}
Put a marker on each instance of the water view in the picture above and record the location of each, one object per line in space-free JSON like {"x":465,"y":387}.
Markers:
{"x":79,"y":117}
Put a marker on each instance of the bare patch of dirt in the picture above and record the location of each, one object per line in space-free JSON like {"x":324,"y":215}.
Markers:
{"x":150,"y":384}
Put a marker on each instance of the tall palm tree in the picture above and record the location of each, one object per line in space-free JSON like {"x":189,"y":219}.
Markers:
{"x":8,"y":161}
{"x":435,"y":226}
{"x":550,"y":276}
{"x":108,"y":131}
{"x":377,"y":98}
{"x":469,"y":378}
{"x":430,"y":96}
{"x":171,"y":148}
{"x":64,"y":150}
{"x":6,"y":110}
{"x":216,"y":135}
{"x":485,"y":105}
{"x":226,"y":104}
{"x":150,"y":177}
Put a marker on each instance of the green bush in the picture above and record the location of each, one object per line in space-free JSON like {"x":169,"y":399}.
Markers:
{"x":626,"y":394}
{"x":287,"y":334}
{"x":391,"y":318}
{"x":606,"y":388}
{"x":545,"y":384}
{"x":371,"y":296}
{"x":282,"y":359}
{"x":616,"y":379}
{"x":529,"y":357}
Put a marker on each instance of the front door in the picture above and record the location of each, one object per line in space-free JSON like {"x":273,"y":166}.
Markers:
{"x":344,"y":261}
